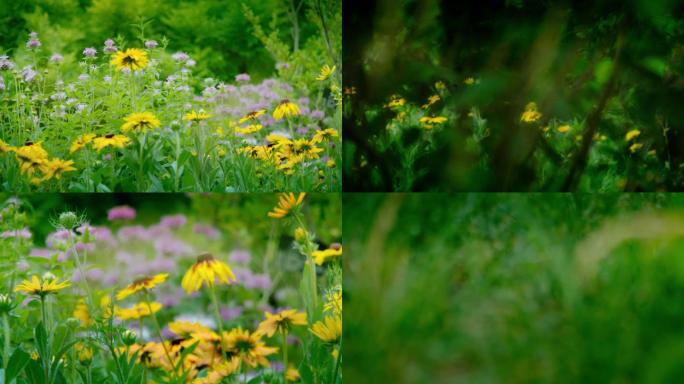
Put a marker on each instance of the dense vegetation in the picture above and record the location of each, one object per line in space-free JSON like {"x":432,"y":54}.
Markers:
{"x":514,"y":95}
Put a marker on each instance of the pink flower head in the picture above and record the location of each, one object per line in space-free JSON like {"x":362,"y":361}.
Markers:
{"x":122,"y":212}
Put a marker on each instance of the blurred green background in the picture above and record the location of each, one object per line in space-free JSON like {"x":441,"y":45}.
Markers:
{"x":560,"y":54}
{"x":514,"y":288}
{"x":216,"y":33}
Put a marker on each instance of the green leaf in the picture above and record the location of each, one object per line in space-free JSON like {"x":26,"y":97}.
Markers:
{"x":16,"y":364}
{"x":655,"y":65}
{"x":41,"y":339}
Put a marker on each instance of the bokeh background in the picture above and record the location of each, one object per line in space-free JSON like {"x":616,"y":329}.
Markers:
{"x":514,"y":288}
{"x":567,"y":56}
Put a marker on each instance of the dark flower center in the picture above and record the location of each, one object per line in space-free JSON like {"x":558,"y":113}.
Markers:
{"x":109,"y":135}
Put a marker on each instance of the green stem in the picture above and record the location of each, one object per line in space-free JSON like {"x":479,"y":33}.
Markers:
{"x":217,"y":314}
{"x":337,"y":363}
{"x":159,"y":335}
{"x":6,"y":352}
{"x":42,"y":312}
{"x":284,"y":356}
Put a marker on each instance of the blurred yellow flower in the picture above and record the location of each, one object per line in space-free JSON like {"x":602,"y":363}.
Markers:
{"x":138,"y":310}
{"x":196,"y":116}
{"x":531,"y":114}
{"x":469,"y":81}
{"x":635,"y":147}
{"x":632,"y":134}
{"x":110,"y":140}
{"x":56,"y":167}
{"x":287,"y":202}
{"x":142,"y":284}
{"x":326,"y":72}
{"x":329,"y":330}
{"x":292,"y":374}
{"x":206,"y":270}
{"x":321,"y":256}
{"x":285,"y":109}
{"x":281,"y":322}
{"x":81,"y":142}
{"x":430,"y":122}
{"x":248,"y":347}
{"x":252,"y":115}
{"x":564,"y":128}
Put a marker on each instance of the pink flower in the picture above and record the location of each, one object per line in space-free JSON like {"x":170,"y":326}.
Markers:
{"x":123,"y":212}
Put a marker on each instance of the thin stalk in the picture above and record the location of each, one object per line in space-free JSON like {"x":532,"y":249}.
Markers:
{"x":8,"y":333}
{"x":155,"y":322}
{"x":333,"y":379}
{"x":284,"y":356}
{"x":42,"y":311}
{"x":217,"y":314}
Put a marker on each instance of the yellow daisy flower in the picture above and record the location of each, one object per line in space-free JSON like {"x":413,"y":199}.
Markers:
{"x":110,"y":140}
{"x":56,"y":167}
{"x":530,"y":114}
{"x":287,"y":202}
{"x":140,"y":122}
{"x":285,"y":109}
{"x":138,"y":310}
{"x":248,"y":347}
{"x":469,"y":81}
{"x":196,"y":116}
{"x":281,"y":322}
{"x":292,"y":374}
{"x":252,"y":115}
{"x":142,"y":284}
{"x":635,"y":147}
{"x":206,"y":270}
{"x":41,"y":286}
{"x":248,"y":129}
{"x":30,"y":156}
{"x":329,"y":330}
{"x":133,"y":59}
{"x":632,"y":134}
{"x":321,"y":256}
{"x":325,"y":134}
{"x":564,"y":128}
{"x":81,"y":142}
{"x":326,"y":72}
{"x":430,"y":122}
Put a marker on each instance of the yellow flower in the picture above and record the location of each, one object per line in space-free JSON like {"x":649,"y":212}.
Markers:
{"x":81,"y":142}
{"x":531,"y":114}
{"x":81,"y":313}
{"x":248,"y":129}
{"x":652,"y":152}
{"x":281,"y":322}
{"x":321,"y":256}
{"x":286,"y":108}
{"x":206,"y":270}
{"x":431,"y":100}
{"x":287,"y":202}
{"x":30,"y":156}
{"x":325,"y":134}
{"x":292,"y":374}
{"x":138,"y":310}
{"x":133,"y":59}
{"x":564,"y":128}
{"x":140,"y":122}
{"x":83,"y":352}
{"x":329,"y":330}
{"x":469,"y":81}
{"x":248,"y":347}
{"x":142,"y":284}
{"x":252,"y":115}
{"x":41,"y":286}
{"x":330,"y":163}
{"x":116,"y":141}
{"x":56,"y":167}
{"x":440,"y":85}
{"x":196,"y":116}
{"x":635,"y":147}
{"x":395,"y":102}
{"x":326,"y":72}
{"x":429,"y":122}
{"x":632,"y":134}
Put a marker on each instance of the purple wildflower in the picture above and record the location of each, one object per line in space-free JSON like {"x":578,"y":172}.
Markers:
{"x":122,"y":212}
{"x":56,"y":58}
{"x":151,"y":44}
{"x":5,"y":63}
{"x":239,"y":256}
{"x":173,"y":221}
{"x":28,"y":74}
{"x":90,"y":52}
{"x":281,"y":66}
{"x":243,"y":77}
{"x":180,"y":57}
{"x":33,"y":41}
{"x":23,"y":233}
{"x":207,"y":230}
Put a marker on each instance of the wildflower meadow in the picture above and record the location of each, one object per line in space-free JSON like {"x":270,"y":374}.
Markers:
{"x":138,"y":112}
{"x":516,"y":96}
{"x":204,"y":289}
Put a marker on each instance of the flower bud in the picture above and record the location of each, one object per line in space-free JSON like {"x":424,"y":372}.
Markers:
{"x":129,"y":337}
{"x":6,"y":304}
{"x":68,"y":220}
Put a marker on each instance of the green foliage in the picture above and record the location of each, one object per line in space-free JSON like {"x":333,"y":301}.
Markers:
{"x":485,"y":288}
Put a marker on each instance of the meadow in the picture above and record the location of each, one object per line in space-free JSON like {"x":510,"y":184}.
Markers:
{"x":515,"y":96}
{"x":203,"y":289}
{"x":514,"y":288}
{"x":130,"y":110}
